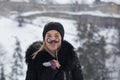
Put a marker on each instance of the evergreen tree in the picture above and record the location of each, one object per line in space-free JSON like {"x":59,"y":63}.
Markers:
{"x":2,"y":73}
{"x":17,"y":66}
{"x":2,"y":54}
{"x":92,"y":52}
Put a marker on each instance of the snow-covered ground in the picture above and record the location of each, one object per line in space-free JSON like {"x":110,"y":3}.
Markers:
{"x":94,"y":13}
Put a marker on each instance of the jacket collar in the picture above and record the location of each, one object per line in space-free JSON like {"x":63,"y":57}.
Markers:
{"x":66,"y":48}
{"x":67,"y":45}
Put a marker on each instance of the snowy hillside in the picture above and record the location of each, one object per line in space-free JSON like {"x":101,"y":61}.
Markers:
{"x":10,"y":32}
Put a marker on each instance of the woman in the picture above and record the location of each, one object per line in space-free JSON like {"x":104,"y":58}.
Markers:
{"x":54,"y":58}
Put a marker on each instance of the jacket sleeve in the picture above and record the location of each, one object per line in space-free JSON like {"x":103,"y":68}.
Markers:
{"x":31,"y":73}
{"x":76,"y":71}
{"x":30,"y":50}
{"x":36,"y":71}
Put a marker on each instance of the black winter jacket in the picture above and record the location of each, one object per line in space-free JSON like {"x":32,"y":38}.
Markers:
{"x":70,"y":66}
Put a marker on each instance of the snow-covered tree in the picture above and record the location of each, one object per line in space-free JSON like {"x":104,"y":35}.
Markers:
{"x":2,"y":75}
{"x":2,"y":54}
{"x":17,"y":67}
{"x":92,"y":52}
{"x":20,"y":20}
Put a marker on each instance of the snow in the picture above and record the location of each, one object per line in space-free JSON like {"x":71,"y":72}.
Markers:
{"x":8,"y":31}
{"x":110,"y":35}
{"x":112,"y":62}
{"x":93,"y":13}
{"x":62,"y":1}
{"x":32,"y":13}
{"x":114,"y":66}
{"x":96,"y":13}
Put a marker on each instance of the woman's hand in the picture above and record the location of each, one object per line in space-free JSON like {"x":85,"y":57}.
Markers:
{"x":55,"y":64}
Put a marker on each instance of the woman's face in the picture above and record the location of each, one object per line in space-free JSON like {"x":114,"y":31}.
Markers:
{"x":53,"y":40}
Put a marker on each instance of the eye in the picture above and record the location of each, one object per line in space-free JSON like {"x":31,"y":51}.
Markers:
{"x":48,"y":35}
{"x":56,"y":36}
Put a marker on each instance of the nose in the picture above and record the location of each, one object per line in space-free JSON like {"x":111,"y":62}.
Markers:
{"x":53,"y":38}
{"x":50,"y":39}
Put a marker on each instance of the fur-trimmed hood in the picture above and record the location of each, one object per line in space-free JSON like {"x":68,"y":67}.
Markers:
{"x":66,"y":50}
